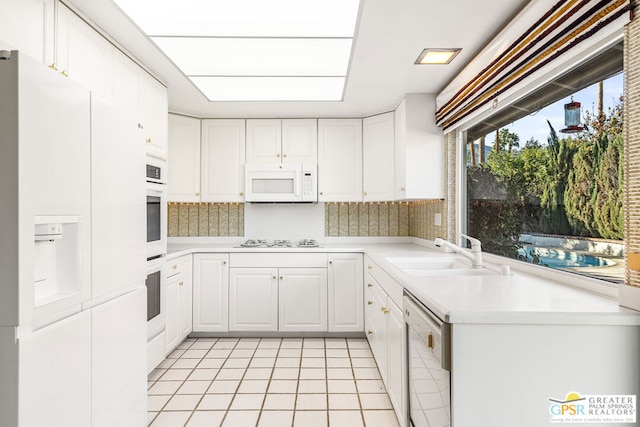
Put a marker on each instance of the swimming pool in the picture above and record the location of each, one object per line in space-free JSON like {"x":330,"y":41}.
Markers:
{"x":560,"y":258}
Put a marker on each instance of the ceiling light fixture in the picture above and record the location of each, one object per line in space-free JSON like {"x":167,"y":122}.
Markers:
{"x":437,"y":56}
{"x":252,"y":50}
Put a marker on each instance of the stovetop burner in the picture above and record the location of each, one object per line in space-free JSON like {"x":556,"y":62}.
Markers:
{"x":278,"y":243}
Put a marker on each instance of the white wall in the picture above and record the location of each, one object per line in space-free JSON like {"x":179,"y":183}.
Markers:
{"x":284,"y":221}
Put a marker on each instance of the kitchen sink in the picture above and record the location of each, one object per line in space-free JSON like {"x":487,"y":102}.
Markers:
{"x":428,"y":263}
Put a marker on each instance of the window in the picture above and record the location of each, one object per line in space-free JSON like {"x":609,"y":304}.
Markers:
{"x":546,"y":197}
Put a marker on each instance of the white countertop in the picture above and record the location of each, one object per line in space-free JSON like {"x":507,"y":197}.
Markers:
{"x":519,"y":298}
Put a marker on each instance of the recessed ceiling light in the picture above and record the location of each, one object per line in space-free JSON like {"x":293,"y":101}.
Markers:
{"x":437,"y":56}
{"x":244,"y":50}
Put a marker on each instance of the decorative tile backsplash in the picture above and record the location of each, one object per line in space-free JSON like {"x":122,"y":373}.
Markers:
{"x":205,"y":219}
{"x":341,"y":219}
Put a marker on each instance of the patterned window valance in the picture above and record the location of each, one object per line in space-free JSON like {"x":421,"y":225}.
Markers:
{"x":566,"y":25}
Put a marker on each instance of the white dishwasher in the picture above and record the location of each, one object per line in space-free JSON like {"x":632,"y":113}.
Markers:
{"x":429,"y":367}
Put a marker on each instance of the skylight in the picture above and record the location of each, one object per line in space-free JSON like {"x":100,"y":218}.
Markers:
{"x":254,"y":50}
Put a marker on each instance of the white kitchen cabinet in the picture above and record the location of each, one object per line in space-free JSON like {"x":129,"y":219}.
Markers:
{"x":178,"y":301}
{"x":210,"y":292}
{"x":299,"y":141}
{"x":302,"y":295}
{"x":222,"y":160}
{"x":184,"y":159}
{"x":127,"y":85}
{"x":378,"y":158}
{"x":340,"y":160}
{"x":384,"y":324}
{"x":420,"y":150}
{"x":264,"y":141}
{"x":30,"y":39}
{"x":155,"y":110}
{"x":54,"y":376}
{"x":119,"y":361}
{"x":82,"y":53}
{"x":117,"y":199}
{"x":345,"y":293}
{"x":282,"y":141}
{"x":253,"y":299}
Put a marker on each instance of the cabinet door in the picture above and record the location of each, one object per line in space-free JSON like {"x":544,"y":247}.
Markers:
{"x":340,"y":160}
{"x":82,"y":53}
{"x":222,"y":151}
{"x":302,"y":294}
{"x":155,"y":116}
{"x":300,"y":141}
{"x":184,"y":159}
{"x":128,"y":83}
{"x":210,"y":292}
{"x":172,"y":312}
{"x":185,"y":299}
{"x":395,"y":358}
{"x":378,"y":169}
{"x":253,"y":299}
{"x":264,"y":138}
{"x":119,"y":361}
{"x":55,"y":374}
{"x":345,"y":288}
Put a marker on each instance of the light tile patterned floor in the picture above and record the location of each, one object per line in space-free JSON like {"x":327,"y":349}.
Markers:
{"x":269,"y":382}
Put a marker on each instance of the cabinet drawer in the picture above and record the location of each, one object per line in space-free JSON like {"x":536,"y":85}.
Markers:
{"x":177,"y":266}
{"x":278,"y":260}
{"x":388,"y":284}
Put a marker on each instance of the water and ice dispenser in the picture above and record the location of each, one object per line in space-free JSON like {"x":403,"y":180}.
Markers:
{"x":57,"y":258}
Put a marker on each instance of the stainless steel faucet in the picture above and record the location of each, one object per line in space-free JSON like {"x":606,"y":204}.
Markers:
{"x":474,"y":254}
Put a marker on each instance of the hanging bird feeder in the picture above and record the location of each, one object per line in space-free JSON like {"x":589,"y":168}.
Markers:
{"x":572,"y":117}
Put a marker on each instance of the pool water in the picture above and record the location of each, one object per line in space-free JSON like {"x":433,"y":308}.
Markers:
{"x":560,"y":258}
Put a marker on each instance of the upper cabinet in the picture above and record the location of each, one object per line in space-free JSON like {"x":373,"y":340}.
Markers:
{"x":282,"y":141}
{"x":378,"y":154}
{"x":339,"y":160}
{"x":420,"y":148}
{"x":29,"y":39}
{"x":82,"y":53}
{"x":222,"y":160}
{"x":154,"y":117}
{"x":184,"y":159}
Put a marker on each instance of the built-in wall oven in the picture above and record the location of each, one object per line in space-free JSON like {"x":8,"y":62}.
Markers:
{"x":156,"y":208}
{"x":155,"y":315}
{"x":429,"y":367}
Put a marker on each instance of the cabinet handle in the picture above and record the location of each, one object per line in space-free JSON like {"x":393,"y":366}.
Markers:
{"x":430,"y":341}
{"x":369,"y":267}
{"x":197,"y":194}
{"x":284,"y":155}
{"x":369,"y":285}
{"x":148,"y":140}
{"x":54,"y":67}
{"x":370,"y":332}
{"x":64,"y":73}
{"x":369,"y":303}
{"x":330,"y":262}
{"x":278,"y":155}
{"x":401,"y":188}
{"x":382,"y":309}
{"x":274,"y":277}
{"x":241,"y":193}
{"x":224,"y":262}
{"x":364,"y":193}
{"x":181,"y":283}
{"x":175,"y":266}
{"x":321,"y":193}
{"x":385,"y":311}
{"x":280,"y":277}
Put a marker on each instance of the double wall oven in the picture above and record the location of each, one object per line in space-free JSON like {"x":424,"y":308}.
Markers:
{"x":156,"y":242}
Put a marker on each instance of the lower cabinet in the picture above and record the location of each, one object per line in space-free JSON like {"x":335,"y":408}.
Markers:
{"x":210,"y":292}
{"x":253,"y":299}
{"x":384,"y":326}
{"x":302,"y":296}
{"x":178,"y":297}
{"x":345,"y":292}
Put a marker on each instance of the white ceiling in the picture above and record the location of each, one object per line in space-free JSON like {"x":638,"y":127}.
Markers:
{"x":389,"y":38}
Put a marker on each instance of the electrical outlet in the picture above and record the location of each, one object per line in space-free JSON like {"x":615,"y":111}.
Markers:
{"x":437,"y":219}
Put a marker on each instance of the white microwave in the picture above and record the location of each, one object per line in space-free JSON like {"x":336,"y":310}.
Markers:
{"x":281,"y":183}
